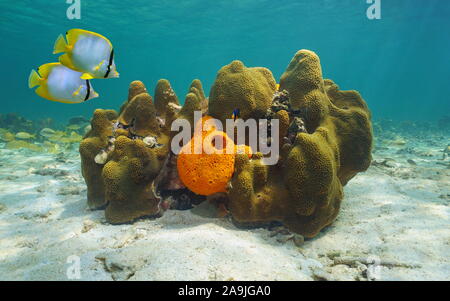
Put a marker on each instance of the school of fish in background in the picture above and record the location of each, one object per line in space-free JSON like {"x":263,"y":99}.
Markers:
{"x":87,"y":55}
{"x":42,"y":135}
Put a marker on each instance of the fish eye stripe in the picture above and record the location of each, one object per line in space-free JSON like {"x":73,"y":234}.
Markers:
{"x":88,"y":84}
{"x":111,"y":56}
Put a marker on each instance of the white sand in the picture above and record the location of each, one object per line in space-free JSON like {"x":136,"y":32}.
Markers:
{"x":398,"y":214}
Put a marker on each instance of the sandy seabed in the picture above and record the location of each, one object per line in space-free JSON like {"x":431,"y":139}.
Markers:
{"x":393,"y":225}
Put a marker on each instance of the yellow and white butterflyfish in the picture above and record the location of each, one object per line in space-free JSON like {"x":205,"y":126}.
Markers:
{"x":87,"y":52}
{"x":58,"y":83}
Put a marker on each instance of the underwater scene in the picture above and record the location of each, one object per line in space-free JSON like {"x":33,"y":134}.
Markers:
{"x":227,"y":140}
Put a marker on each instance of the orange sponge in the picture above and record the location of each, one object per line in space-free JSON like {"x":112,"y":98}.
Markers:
{"x":210,"y":170}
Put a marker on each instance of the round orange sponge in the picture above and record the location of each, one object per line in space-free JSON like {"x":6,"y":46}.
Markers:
{"x":208,"y":171}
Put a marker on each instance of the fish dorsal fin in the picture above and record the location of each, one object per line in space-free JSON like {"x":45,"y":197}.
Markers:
{"x":45,"y":69}
{"x":60,"y":45}
{"x":86,"y":76}
{"x":73,"y":35}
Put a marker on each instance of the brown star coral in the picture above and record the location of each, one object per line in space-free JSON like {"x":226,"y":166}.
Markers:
{"x":124,"y":181}
{"x":325,"y":133}
{"x":248,"y":89}
{"x":304,"y":190}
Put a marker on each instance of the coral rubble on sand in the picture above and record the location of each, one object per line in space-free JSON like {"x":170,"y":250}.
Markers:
{"x":326,"y":140}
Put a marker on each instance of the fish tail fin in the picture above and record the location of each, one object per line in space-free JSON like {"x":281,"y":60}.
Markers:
{"x":33,"y":79}
{"x":94,"y":95}
{"x":60,"y":45}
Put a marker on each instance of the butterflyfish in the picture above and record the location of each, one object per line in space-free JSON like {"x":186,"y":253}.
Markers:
{"x":58,"y":83}
{"x":87,"y":52}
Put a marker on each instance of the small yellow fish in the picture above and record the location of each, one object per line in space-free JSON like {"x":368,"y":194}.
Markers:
{"x":52,"y":148}
{"x":46,"y":132}
{"x":277,"y":87}
{"x":55,"y":136}
{"x":7,"y":136}
{"x":17,"y":144}
{"x":87,"y":52}
{"x":58,"y":83}
{"x":60,"y":133}
{"x":74,"y":127}
{"x":75,"y":137}
{"x":24,"y":135}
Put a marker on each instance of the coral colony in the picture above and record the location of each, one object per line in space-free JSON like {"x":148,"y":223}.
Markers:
{"x":132,"y":169}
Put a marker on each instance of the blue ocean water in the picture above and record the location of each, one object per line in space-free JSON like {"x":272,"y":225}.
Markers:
{"x":399,"y":63}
